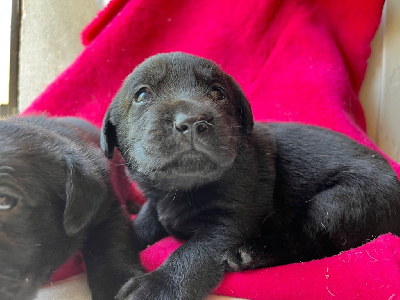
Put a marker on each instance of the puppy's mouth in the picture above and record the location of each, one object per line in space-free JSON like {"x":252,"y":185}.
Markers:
{"x":190,"y":163}
{"x":187,"y":170}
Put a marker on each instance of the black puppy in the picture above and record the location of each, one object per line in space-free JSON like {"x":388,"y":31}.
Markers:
{"x":244,"y":195}
{"x":56,"y":196}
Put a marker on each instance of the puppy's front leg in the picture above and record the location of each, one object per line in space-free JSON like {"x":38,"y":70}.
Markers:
{"x":148,"y":229}
{"x":190,"y":272}
{"x":111,"y":256}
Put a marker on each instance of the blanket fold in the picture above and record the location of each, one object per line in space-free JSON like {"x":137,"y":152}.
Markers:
{"x":367,"y":272}
{"x":298,"y":60}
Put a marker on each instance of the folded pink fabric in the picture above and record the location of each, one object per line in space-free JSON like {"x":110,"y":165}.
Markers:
{"x":296,"y":60}
{"x":367,"y":272}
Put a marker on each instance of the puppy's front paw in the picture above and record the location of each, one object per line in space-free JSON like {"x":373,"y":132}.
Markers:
{"x":238,"y":259}
{"x":154,"y":285}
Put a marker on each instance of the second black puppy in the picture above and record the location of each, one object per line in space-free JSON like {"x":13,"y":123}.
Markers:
{"x":244,"y":195}
{"x":57,"y":197}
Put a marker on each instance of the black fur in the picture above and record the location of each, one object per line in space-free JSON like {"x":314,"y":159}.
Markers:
{"x":56,"y":197}
{"x":242,"y":197}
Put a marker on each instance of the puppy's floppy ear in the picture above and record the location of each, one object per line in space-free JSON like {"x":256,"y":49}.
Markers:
{"x":243,"y":108}
{"x":108,"y":137}
{"x":84,"y":190}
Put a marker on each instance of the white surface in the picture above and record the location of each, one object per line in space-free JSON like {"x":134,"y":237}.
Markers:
{"x":50,"y":42}
{"x":74,"y":288}
{"x":5,"y":26}
{"x":380,"y":93}
{"x":389,"y":113}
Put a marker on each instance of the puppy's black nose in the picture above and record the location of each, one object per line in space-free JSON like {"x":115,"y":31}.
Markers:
{"x":189,"y":125}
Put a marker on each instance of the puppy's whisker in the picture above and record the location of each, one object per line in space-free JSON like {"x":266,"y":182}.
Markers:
{"x":173,"y":199}
{"x":166,"y":196}
{"x":3,"y":276}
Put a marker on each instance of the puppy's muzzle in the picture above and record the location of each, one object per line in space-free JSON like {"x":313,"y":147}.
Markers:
{"x":192,"y":126}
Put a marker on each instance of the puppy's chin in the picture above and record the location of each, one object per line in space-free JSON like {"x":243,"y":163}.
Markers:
{"x":184,"y":181}
{"x":185,"y":173}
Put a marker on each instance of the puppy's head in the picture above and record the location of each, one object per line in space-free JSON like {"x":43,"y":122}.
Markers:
{"x":46,"y":202}
{"x":178,"y":120}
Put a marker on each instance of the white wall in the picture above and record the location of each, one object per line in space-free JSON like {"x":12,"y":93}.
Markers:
{"x":5,"y":24}
{"x":50,"y":41}
{"x":380,"y":93}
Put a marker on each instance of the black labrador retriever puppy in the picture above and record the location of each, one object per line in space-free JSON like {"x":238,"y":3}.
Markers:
{"x":56,"y":196}
{"x":243,"y":194}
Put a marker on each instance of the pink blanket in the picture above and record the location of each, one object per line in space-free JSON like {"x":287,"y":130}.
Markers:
{"x":297,"y":60}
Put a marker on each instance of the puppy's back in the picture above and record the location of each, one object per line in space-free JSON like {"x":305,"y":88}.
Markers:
{"x":311,"y":161}
{"x":74,"y":129}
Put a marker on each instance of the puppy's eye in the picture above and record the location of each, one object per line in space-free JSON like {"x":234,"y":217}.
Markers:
{"x":143,"y":95}
{"x":7,"y":202}
{"x":217,"y":93}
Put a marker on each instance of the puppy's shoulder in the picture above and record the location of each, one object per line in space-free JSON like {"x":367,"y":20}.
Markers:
{"x":262,"y":136}
{"x":323,"y":148}
{"x":309,"y":138}
{"x":85,"y":129}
